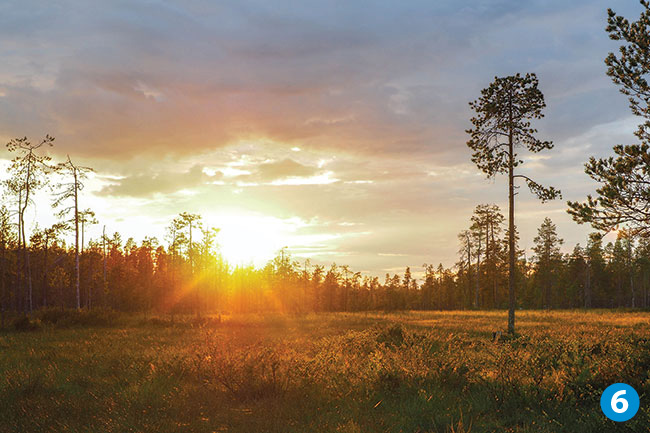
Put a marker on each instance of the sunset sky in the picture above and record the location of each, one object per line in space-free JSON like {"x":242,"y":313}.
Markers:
{"x":335,"y":128}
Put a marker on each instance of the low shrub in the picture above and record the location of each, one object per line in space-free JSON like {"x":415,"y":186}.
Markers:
{"x":24,"y":323}
{"x":157,"y":322}
{"x":249,"y":373}
{"x":392,"y":336}
{"x":69,"y":318}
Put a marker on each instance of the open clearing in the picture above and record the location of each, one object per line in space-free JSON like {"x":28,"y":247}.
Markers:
{"x":339,"y":372}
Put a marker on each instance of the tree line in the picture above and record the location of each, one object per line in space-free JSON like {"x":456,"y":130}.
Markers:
{"x":189,"y":275}
{"x":596,"y":275}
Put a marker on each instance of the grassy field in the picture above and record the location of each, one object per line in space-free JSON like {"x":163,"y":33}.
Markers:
{"x":410,"y":372}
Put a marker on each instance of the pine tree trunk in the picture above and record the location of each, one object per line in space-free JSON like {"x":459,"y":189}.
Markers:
{"x":588,"y":286}
{"x":469,"y":268}
{"x":20,"y":295}
{"x":104,"y":251}
{"x":3,"y":283}
{"x":511,"y":232}
{"x":76,"y":240}
{"x":44,"y":285}
{"x":28,"y":271}
{"x":478,"y":273}
{"x":493,"y":267}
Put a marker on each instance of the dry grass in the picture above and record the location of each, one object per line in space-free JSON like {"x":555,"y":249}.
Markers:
{"x":402,"y":372}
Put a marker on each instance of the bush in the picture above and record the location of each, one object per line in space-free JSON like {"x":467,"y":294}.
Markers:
{"x":393,"y":336}
{"x":52,"y":315}
{"x":24,"y":323}
{"x":157,"y":322}
{"x":251,"y":372}
{"x":206,"y":322}
{"x":70,"y":318}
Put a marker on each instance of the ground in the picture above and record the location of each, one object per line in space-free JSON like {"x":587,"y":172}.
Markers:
{"x":340,"y":372}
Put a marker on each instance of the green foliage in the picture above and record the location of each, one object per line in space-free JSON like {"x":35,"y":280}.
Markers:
{"x":630,"y":68}
{"x":623,"y":195}
{"x":503,"y":123}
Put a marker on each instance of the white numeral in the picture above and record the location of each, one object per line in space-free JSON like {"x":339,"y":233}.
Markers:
{"x":616,"y":400}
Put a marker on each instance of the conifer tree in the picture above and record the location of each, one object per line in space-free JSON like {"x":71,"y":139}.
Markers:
{"x":69,"y":189}
{"x":28,"y":170}
{"x":501,"y":126}
{"x":623,"y":197}
{"x":547,"y":256}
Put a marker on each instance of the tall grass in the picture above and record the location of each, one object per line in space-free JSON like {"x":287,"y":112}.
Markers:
{"x":416,"y":372}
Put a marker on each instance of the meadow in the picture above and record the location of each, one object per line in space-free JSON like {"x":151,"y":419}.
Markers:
{"x":338,"y":372}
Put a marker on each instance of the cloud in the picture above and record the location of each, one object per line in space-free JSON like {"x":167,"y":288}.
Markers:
{"x":146,"y":185}
{"x":283,"y":169}
{"x":244,"y":70}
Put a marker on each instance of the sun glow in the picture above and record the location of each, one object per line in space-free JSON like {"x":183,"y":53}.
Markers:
{"x":254,"y":239}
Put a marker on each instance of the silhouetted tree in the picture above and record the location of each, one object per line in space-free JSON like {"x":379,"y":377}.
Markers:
{"x":86,"y":217}
{"x":547,"y":258}
{"x":28,"y":170}
{"x":501,"y":125}
{"x":69,"y":190}
{"x":623,"y":197}
{"x":6,"y":237}
{"x":465,"y":263}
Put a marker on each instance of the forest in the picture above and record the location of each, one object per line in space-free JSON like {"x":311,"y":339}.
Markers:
{"x":189,"y":275}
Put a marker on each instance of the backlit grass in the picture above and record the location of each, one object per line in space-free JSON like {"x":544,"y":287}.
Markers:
{"x":401,"y":372}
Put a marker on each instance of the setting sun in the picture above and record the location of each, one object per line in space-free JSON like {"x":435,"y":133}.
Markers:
{"x":253,"y":239}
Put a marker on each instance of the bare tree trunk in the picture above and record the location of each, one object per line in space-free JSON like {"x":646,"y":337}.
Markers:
{"x":588,"y":285}
{"x":511,"y":232}
{"x":28,"y":271}
{"x":27,"y":268}
{"x":76,"y":239}
{"x":19,"y":297}
{"x":645,"y":291}
{"x":173,"y":275}
{"x":3,"y":282}
{"x":90,"y":286}
{"x":196,"y":289}
{"x":469,"y":265}
{"x":44,"y":284}
{"x":494,"y":276}
{"x":631,"y":272}
{"x":645,"y":288}
{"x":478,"y":271}
{"x":29,"y":277}
{"x":104,"y":249}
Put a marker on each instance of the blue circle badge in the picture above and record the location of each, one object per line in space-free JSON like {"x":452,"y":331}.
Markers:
{"x":619,"y":402}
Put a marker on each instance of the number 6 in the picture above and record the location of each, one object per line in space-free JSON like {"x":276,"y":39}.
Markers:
{"x":616,"y":400}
